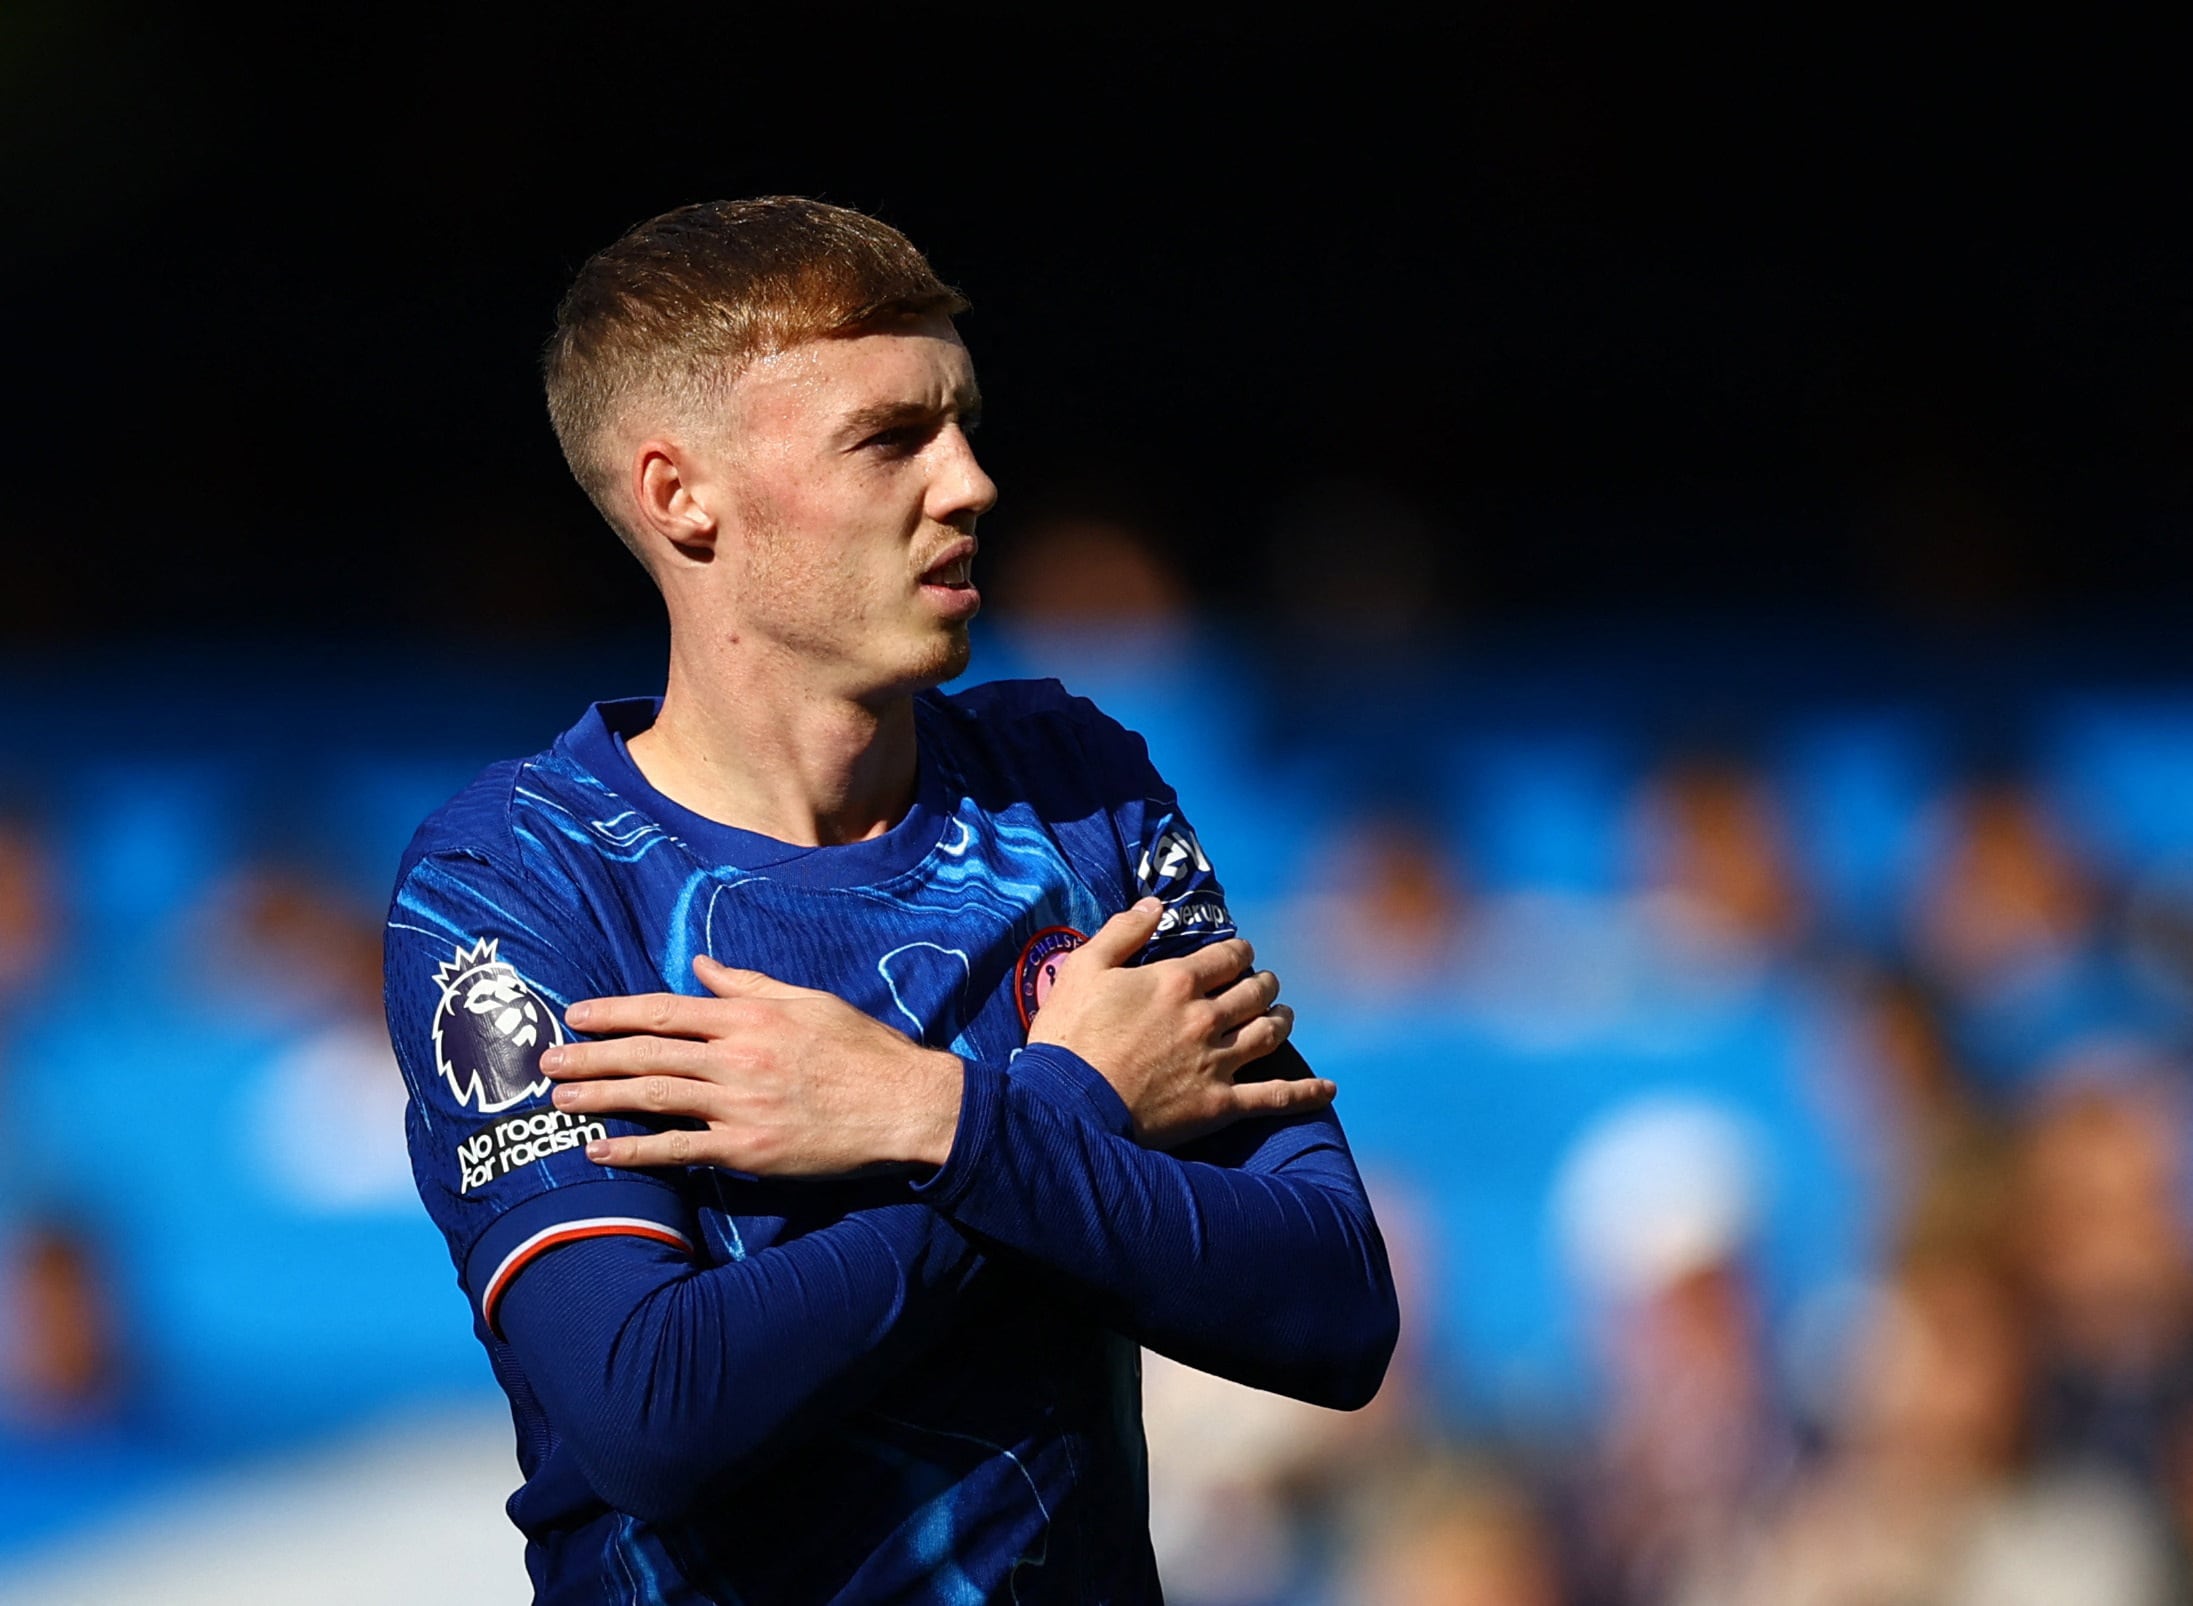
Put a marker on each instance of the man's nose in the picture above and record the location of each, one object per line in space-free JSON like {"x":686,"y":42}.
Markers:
{"x":961,"y":489}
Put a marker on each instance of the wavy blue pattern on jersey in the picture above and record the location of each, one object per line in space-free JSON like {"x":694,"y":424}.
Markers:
{"x":1005,"y":1465}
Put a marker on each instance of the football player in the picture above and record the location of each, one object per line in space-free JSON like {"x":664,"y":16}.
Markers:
{"x":825,"y":1085}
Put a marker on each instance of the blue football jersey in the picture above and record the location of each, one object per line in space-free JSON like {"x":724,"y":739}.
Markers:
{"x":1006,"y":1461}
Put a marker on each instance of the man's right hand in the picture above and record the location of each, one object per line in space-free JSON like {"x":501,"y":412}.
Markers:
{"x":1172,"y":1035}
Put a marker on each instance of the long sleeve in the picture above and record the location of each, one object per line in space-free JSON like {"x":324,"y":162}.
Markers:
{"x":663,"y":1377}
{"x":1252,"y":1254}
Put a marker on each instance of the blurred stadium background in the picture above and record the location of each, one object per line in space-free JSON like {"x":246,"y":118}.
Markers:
{"x":1657,"y":562}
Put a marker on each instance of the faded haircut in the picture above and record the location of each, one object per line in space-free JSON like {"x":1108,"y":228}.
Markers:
{"x":662,"y":321}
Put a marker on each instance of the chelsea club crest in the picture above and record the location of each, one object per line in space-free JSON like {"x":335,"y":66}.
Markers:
{"x":1037,"y":971}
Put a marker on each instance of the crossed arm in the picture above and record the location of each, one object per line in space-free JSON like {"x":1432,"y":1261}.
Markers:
{"x":795,"y":1082}
{"x":1249,"y":1250}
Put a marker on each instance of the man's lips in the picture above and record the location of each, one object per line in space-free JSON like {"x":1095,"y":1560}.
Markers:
{"x":949,"y":583}
{"x":954,"y":570}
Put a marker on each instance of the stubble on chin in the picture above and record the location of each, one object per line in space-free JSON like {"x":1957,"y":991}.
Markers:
{"x":956,"y":651}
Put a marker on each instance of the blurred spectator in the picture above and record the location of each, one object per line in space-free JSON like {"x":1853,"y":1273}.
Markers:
{"x":1442,"y":1532}
{"x":1908,"y":1109}
{"x":1660,"y":1208}
{"x":1382,"y":916}
{"x":1712,"y":843}
{"x":1087,"y":573}
{"x":1249,"y":1490}
{"x":2010,"y":923}
{"x":2103,"y":1245}
{"x":1225,"y":1463}
{"x":58,"y":1367}
{"x":2007,"y":900}
{"x":2159,"y":936}
{"x":275,"y":1241}
{"x":1695,"y":932}
{"x":1925,"y":1093}
{"x":29,"y":911}
{"x":278,"y":942}
{"x":282,"y":946}
{"x":59,"y":1364}
{"x":1933,"y":1491}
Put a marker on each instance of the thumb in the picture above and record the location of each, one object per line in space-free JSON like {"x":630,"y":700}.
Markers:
{"x":1123,"y":936}
{"x":727,"y":982}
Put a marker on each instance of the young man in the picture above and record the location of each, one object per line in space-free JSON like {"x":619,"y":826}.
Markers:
{"x":820,"y":1274}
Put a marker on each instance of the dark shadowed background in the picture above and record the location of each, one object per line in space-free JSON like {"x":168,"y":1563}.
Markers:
{"x":1638,"y":317}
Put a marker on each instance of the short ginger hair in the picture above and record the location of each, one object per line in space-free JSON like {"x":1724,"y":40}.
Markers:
{"x":668,"y":316}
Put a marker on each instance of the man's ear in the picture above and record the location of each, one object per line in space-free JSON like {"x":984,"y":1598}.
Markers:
{"x":672,"y":507}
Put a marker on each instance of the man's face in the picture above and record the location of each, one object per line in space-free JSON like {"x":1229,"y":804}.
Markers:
{"x":849,"y":540}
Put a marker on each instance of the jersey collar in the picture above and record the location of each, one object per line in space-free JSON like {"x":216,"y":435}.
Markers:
{"x":598,"y":744}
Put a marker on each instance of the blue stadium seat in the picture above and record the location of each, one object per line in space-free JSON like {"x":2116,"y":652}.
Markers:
{"x":366,"y":806}
{"x":2121,"y":769}
{"x":1475,"y":1127}
{"x":1543,"y":811}
{"x":140,"y":840}
{"x":272,"y":1282}
{"x":1858,"y":787}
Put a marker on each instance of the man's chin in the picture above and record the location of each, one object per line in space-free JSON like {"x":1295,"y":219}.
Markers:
{"x":950,"y":660}
{"x":943,"y":657}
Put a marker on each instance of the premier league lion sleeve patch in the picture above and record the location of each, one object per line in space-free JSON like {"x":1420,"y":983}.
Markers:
{"x":479,"y":974}
{"x":490,"y":1030}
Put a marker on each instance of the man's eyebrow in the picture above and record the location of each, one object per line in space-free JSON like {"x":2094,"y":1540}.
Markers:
{"x":889,"y":415}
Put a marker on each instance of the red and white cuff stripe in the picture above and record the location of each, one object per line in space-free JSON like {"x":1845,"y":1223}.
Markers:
{"x":565,"y":1232}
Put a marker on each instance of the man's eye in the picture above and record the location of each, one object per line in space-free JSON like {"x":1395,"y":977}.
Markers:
{"x":895,"y":442}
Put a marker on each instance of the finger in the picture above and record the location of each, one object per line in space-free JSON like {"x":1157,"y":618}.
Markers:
{"x":1219,"y":964}
{"x":644,"y":1098}
{"x":664,"y":1014}
{"x":1256,"y":1040}
{"x":1123,"y":936}
{"x":640,"y":1095}
{"x":727,"y":981}
{"x":1282,"y":1098}
{"x":627,"y":1056}
{"x":652,"y":1148}
{"x":1246,"y":999}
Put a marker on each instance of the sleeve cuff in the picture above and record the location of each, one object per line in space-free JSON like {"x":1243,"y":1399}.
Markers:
{"x":981,"y":1112}
{"x":615,"y":1206}
{"x":1065,"y":1078}
{"x":1056,"y":1075}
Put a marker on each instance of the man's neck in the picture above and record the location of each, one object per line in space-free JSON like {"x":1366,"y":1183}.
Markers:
{"x":779,"y":760}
